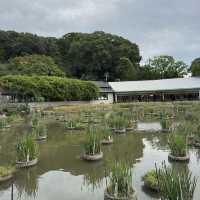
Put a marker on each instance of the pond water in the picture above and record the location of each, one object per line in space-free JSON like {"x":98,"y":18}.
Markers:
{"x":61,"y":174}
{"x":149,"y":126}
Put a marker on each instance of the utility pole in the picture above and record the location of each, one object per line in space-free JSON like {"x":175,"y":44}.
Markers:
{"x":12,"y":198}
{"x":106,"y":76}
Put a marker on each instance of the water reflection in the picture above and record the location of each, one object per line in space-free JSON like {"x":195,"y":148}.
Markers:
{"x":27,"y":183}
{"x":61,"y":174}
{"x":149,"y":126}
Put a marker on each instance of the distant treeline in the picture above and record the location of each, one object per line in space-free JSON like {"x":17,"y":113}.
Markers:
{"x":87,"y":56}
{"x":81,"y":55}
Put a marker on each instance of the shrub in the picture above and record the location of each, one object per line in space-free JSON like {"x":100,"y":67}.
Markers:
{"x":46,"y":88}
{"x":34,"y":65}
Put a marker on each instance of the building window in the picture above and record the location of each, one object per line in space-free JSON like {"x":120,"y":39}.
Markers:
{"x":103,"y":97}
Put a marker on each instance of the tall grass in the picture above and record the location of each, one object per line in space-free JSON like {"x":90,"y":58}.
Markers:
{"x":40,"y":130}
{"x":105,"y":132}
{"x":27,"y":149}
{"x":92,"y":143}
{"x":175,"y":186}
{"x":120,"y":180}
{"x":3,"y":123}
{"x":177,"y":144}
{"x":34,"y":120}
{"x":118,"y":122}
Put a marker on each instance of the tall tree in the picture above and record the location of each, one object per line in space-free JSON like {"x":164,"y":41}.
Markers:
{"x":166,"y":67}
{"x":34,"y":65}
{"x":83,"y":55}
{"x":93,"y":55}
{"x":195,"y":67}
{"x":126,"y":70}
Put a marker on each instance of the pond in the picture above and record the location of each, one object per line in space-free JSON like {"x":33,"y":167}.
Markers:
{"x":149,"y":126}
{"x":61,"y":174}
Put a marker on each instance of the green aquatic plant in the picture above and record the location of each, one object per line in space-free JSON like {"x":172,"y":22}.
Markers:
{"x":27,"y":149}
{"x":119,"y":182}
{"x":40,"y":130}
{"x":164,"y":124}
{"x":92,"y":144}
{"x":150,"y":180}
{"x":6,"y":170}
{"x":177,"y":145}
{"x":34,"y":120}
{"x":14,"y":118}
{"x":118,"y":122}
{"x":74,"y":123}
{"x":174,"y":185}
{"x":105,"y":132}
{"x":3,"y":123}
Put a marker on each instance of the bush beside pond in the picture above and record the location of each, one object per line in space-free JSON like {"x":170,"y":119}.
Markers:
{"x":45,"y":88}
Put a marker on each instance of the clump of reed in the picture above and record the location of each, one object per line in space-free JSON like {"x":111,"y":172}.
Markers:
{"x":175,"y":185}
{"x":40,"y":131}
{"x":178,"y":145}
{"x":119,"y":183}
{"x":3,"y":123}
{"x":105,"y":132}
{"x":178,"y":142}
{"x":35,"y":120}
{"x":92,"y":144}
{"x":27,"y":149}
{"x":118,"y":122}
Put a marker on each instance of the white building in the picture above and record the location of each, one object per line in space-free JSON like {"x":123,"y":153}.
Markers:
{"x":156,"y":90}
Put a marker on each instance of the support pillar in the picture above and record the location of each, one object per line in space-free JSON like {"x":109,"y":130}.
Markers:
{"x":163,"y":97}
{"x":199,"y":94}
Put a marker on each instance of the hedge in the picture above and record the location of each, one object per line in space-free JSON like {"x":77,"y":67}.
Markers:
{"x":46,"y":88}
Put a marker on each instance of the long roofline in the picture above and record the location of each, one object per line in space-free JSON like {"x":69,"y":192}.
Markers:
{"x":192,"y":83}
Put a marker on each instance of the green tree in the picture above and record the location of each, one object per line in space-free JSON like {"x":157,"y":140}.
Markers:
{"x":166,"y":67}
{"x":126,"y":70}
{"x":34,"y":65}
{"x":93,"y":55}
{"x":195,"y":67}
{"x":13,"y":44}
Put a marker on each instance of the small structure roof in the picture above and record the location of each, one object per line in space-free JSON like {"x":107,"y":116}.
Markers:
{"x":156,"y":85}
{"x":104,"y":86}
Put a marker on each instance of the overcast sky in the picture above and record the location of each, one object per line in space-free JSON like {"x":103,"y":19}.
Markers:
{"x":158,"y":26}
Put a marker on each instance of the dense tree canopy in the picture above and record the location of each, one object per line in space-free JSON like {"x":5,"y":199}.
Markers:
{"x":14,"y":44}
{"x":92,"y":55}
{"x":34,"y":65}
{"x":46,"y":88}
{"x":85,"y":56}
{"x":195,"y":67}
{"x":163,"y":66}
